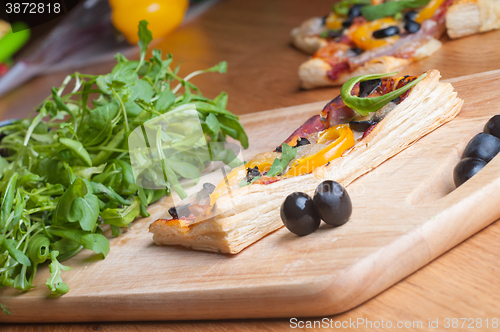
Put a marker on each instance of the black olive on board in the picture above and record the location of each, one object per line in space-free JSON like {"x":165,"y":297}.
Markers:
{"x":482,"y":146}
{"x":299,"y":214}
{"x":466,"y":169}
{"x":410,"y":16}
{"x":367,"y":87}
{"x":332,"y":203}
{"x":412,"y":26}
{"x":355,"y":11}
{"x":387,"y":32}
{"x":492,"y":127}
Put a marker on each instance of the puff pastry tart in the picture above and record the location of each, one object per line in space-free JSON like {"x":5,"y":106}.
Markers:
{"x":340,"y":143}
{"x":369,"y":36}
{"x":468,"y":17}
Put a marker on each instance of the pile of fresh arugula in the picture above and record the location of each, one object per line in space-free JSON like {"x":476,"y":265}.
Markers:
{"x":66,"y":172}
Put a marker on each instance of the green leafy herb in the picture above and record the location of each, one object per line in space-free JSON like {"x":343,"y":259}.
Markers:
{"x":55,"y":282}
{"x":68,"y":174}
{"x":364,"y":106}
{"x":342,"y":7}
{"x":279,"y":164}
{"x":390,"y":8}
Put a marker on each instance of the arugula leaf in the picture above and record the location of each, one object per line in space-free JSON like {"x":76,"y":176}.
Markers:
{"x":77,"y":204}
{"x":279,"y":164}
{"x":122,"y":217}
{"x":92,"y":241}
{"x":342,"y":7}
{"x":55,"y":282}
{"x":145,"y":37}
{"x":78,"y":150}
{"x":8,"y":199}
{"x":18,"y":255}
{"x":390,"y":8}
{"x":39,"y":248}
{"x":364,"y":106}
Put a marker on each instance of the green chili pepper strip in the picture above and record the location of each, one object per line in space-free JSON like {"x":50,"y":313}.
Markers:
{"x":364,"y":106}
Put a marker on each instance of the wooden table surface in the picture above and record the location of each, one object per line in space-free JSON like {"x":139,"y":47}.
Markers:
{"x":253,"y":37}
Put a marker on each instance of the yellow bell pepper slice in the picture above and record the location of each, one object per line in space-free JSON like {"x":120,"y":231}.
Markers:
{"x":428,"y":10}
{"x":334,"y":22}
{"x":362,"y":35}
{"x":233,"y":178}
{"x":343,"y":140}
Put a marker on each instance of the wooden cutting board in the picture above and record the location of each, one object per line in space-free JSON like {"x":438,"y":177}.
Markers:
{"x":405,"y":214}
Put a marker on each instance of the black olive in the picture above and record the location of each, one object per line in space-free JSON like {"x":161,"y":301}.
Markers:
{"x":252,"y":173}
{"x":356,"y":50}
{"x":411,"y":16}
{"x":173,"y":212}
{"x":299,"y":215}
{"x":483,"y":146}
{"x":180,"y":211}
{"x":466,"y":169}
{"x":355,"y":11}
{"x":302,"y":141}
{"x":361,"y":126}
{"x":387,"y":32}
{"x":396,"y":100}
{"x":278,"y":149}
{"x":332,"y":203}
{"x":207,"y":189}
{"x":367,"y":87}
{"x":347,"y":23}
{"x":334,"y":33}
{"x":492,"y":127}
{"x":323,"y":19}
{"x":412,"y":26}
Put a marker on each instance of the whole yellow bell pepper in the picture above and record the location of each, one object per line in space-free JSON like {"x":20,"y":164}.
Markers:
{"x":163,"y":16}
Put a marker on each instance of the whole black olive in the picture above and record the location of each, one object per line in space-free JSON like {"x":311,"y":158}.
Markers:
{"x":332,"y":203}
{"x":411,"y":16}
{"x":299,"y":215}
{"x":492,"y":127}
{"x":483,"y":146}
{"x":355,"y":11}
{"x":347,"y":23}
{"x":412,"y":26}
{"x":466,"y":169}
{"x":387,"y":32}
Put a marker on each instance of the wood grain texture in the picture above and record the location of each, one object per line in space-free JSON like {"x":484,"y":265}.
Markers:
{"x":461,"y":283}
{"x":333,"y":270}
